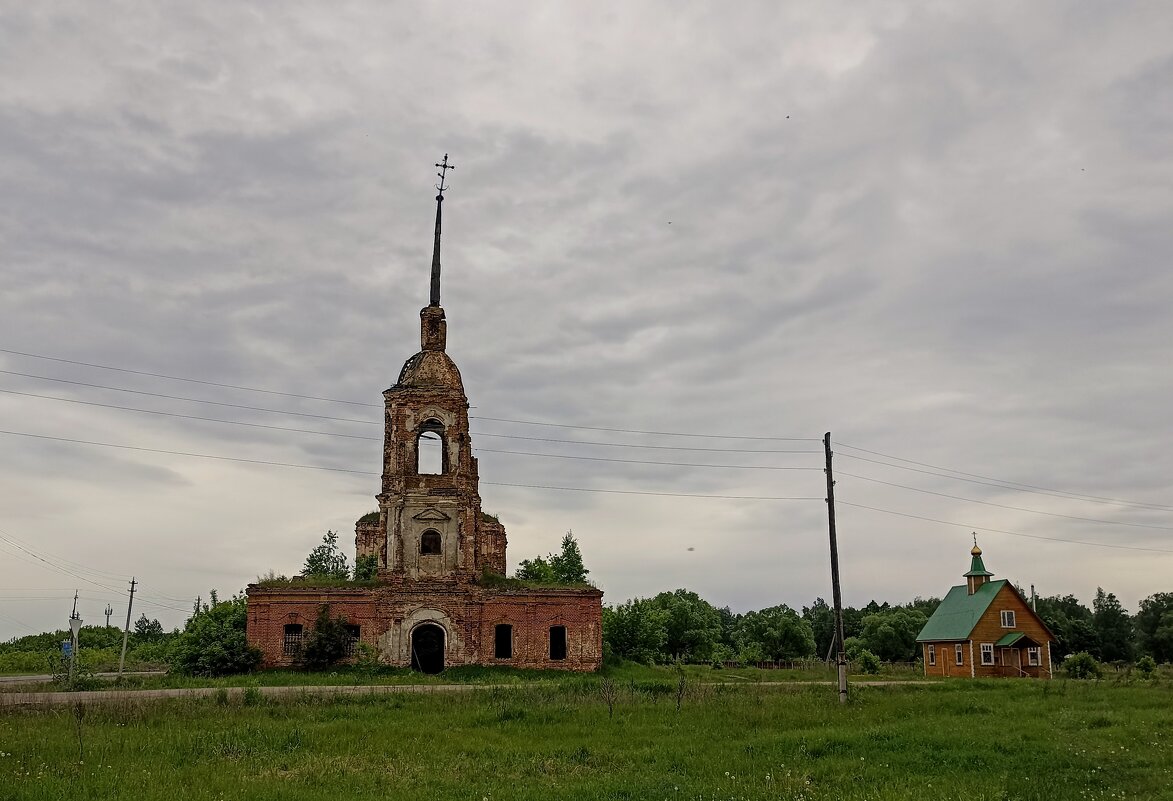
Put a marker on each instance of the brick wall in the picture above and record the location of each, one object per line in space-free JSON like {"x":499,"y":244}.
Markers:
{"x":469,"y":614}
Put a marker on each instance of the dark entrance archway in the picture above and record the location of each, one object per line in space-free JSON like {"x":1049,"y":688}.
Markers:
{"x":427,"y":648}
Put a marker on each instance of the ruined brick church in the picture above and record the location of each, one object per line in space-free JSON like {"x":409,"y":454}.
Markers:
{"x":431,"y":606}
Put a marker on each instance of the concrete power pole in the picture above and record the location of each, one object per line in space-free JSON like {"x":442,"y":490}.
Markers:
{"x":841,"y":655}
{"x":126,"y":631}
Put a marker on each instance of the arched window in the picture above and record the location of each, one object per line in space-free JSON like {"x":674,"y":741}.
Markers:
{"x":430,"y":542}
{"x":429,"y":449}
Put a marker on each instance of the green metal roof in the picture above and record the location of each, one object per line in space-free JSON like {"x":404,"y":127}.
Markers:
{"x":976,"y":566}
{"x":959,"y":612}
{"x":1018,"y":639}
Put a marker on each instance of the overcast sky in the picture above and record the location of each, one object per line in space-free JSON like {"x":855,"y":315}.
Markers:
{"x":941,"y":233}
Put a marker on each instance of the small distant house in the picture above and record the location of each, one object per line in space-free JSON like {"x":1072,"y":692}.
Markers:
{"x":985,"y":628}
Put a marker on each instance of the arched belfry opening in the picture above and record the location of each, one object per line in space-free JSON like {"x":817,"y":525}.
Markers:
{"x":427,"y":648}
{"x":431,"y":449}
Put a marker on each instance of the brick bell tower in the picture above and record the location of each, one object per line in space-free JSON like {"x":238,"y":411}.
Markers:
{"x":430,"y":526}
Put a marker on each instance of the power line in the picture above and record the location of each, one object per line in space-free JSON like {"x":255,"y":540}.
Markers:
{"x":1001,"y":482}
{"x":357,"y":403}
{"x":190,"y":416}
{"x":640,"y":461}
{"x":1005,"y":506}
{"x":972,"y":527}
{"x":188,"y":380}
{"x":367,"y":473}
{"x":378,"y":439}
{"x":186,"y":453}
{"x":662,"y":494}
{"x":640,"y":431}
{"x":190,"y":400}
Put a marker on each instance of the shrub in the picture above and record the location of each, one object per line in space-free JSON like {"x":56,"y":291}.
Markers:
{"x":329,"y":642}
{"x":1082,"y":666}
{"x":1146,"y":665}
{"x":366,"y":567}
{"x":867,"y":661}
{"x":213,"y":642}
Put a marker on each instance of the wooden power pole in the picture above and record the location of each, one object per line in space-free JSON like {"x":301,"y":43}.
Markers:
{"x":840,"y":653}
{"x":126,"y":631}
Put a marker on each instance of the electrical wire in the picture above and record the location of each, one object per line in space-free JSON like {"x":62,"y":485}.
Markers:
{"x":1004,"y":506}
{"x":189,"y":400}
{"x":971,"y":527}
{"x":188,"y":380}
{"x":640,"y":431}
{"x":379,"y":439}
{"x":1001,"y":482}
{"x":663,"y":494}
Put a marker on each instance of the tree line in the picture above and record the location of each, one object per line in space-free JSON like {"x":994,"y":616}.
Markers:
{"x":680,"y":625}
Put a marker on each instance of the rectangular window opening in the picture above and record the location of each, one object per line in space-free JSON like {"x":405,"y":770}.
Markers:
{"x":932,"y":655}
{"x":291,"y":642}
{"x":1008,"y":619}
{"x":557,"y":642}
{"x":352,"y":644}
{"x":1032,"y":657}
{"x":503,"y":641}
{"x":958,"y":655}
{"x":987,"y":653}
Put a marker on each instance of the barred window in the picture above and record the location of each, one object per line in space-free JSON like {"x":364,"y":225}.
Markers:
{"x":291,"y":643}
{"x":352,"y":644}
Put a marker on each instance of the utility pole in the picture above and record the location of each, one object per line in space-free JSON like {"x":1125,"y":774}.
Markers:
{"x":73,"y":614}
{"x":841,"y":655}
{"x":109,"y":611}
{"x":126,"y":631}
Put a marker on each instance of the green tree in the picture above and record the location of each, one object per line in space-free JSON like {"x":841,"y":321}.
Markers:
{"x":564,"y":567}
{"x":536,"y":569}
{"x":636,"y":629}
{"x":330,"y":641}
{"x":213,"y":643}
{"x":1114,"y":627}
{"x":774,"y":633}
{"x":1154,"y":626}
{"x":146,"y":630}
{"x":821,"y":618}
{"x":692,"y":624}
{"x":326,"y":561}
{"x":891,"y":634}
{"x":366,"y":568}
{"x":1071,"y":623}
{"x":567,"y":565}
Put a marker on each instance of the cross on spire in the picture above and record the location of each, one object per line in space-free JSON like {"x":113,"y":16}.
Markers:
{"x":444,"y":168}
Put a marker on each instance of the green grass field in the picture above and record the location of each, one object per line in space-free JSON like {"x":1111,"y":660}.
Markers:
{"x":947,"y":740}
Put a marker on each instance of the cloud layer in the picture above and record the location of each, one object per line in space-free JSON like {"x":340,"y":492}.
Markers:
{"x":940,"y":234}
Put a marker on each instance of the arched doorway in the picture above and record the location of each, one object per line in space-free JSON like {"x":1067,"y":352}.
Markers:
{"x":427,"y":648}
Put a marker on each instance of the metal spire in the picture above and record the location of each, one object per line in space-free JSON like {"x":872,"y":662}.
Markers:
{"x":444,"y":168}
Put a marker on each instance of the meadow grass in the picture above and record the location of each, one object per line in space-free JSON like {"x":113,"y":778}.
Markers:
{"x":972,"y":740}
{"x":474,"y":674}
